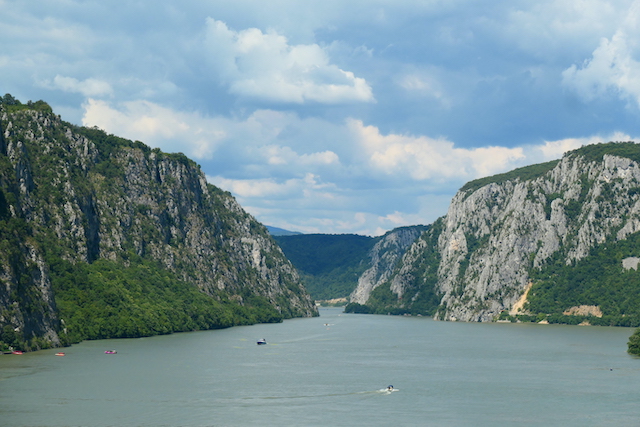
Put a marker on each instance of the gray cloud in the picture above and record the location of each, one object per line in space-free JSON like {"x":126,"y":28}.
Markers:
{"x":336,"y":116}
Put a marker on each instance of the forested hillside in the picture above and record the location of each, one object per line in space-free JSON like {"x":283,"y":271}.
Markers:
{"x":337,"y":266}
{"x":104,"y":237}
{"x":330,"y":264}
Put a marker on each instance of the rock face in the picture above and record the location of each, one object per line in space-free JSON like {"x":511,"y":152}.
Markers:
{"x":383,"y":259}
{"x":500,"y":229}
{"x":83,"y":195}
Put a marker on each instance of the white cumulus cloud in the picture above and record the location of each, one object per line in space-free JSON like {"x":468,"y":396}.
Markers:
{"x":252,"y":144}
{"x":158,"y":126}
{"x":555,"y":149}
{"x":270,"y":188}
{"x":265,"y":66}
{"x":613,"y":65}
{"x":422,"y":157}
{"x":89,"y":87}
{"x":279,"y":155}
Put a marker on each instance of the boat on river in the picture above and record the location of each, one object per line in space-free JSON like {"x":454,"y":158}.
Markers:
{"x":262,"y":342}
{"x":110,"y":352}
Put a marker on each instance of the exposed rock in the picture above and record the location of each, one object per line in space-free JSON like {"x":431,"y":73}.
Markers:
{"x":630,"y":263}
{"x":384,"y":258}
{"x":584,"y":310}
{"x":499,"y":229}
{"x":98,"y":196}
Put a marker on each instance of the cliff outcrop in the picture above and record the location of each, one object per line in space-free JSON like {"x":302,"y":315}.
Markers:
{"x":505,"y":232}
{"x":76,"y":195}
{"x":382,"y":260}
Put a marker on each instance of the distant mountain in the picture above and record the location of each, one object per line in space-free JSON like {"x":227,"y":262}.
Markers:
{"x":275,"y":231}
{"x":554,"y":242}
{"x":102,"y":237}
{"x":331,"y":265}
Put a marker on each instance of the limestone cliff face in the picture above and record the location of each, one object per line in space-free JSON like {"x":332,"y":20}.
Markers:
{"x":383,"y":258}
{"x":495,"y":233}
{"x":86,"y":195}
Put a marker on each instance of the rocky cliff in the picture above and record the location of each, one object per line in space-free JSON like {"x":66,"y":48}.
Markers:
{"x":502,"y":234}
{"x":382,"y":260}
{"x":76,"y":195}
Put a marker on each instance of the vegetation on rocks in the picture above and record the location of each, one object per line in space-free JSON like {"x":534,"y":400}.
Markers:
{"x":563,"y":226}
{"x":104,"y":237}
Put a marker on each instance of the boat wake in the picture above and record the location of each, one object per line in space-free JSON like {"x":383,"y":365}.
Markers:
{"x":370,"y":393}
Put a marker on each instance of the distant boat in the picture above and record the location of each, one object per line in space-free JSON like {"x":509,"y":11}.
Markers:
{"x":110,"y":352}
{"x":16,"y":352}
{"x":262,"y":341}
{"x":60,"y":354}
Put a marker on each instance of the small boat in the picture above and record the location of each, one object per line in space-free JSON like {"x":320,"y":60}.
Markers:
{"x":110,"y":352}
{"x":16,"y":352}
{"x":262,"y":342}
{"x":60,"y":354}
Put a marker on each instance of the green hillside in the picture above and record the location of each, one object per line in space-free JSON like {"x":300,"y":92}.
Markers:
{"x":103,"y":237}
{"x":329,"y":264}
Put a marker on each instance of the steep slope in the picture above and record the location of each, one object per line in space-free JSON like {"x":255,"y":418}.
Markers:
{"x":329,"y":264}
{"x":383,"y":259}
{"x":76,"y":202}
{"x":336,"y":266}
{"x":507,"y":234}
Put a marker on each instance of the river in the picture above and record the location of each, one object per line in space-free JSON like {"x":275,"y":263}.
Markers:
{"x":333,"y":370}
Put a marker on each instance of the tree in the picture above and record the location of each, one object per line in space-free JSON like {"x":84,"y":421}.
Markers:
{"x":7,"y":99}
{"x":634,"y":343}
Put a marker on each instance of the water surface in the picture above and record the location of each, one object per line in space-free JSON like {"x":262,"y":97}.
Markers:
{"x":333,"y":370}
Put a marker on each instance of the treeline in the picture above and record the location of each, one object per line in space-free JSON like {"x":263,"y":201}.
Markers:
{"x":106,"y":300}
{"x":596,"y":280}
{"x":329,"y":264}
{"x":596,"y":152}
{"x":12,"y":104}
{"x":593,"y":152}
{"x":524,"y":174}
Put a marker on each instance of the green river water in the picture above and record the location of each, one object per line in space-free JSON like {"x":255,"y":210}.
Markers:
{"x":332,"y":370}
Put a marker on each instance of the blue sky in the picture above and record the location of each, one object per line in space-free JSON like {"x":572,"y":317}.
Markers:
{"x":335,"y":116}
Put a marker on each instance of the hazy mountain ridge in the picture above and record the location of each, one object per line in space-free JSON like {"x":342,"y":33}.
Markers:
{"x":506,"y":232}
{"x":275,"y":231}
{"x":72,"y":195}
{"x":329,"y":264}
{"x":334,"y":266}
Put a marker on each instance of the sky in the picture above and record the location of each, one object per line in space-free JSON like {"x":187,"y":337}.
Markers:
{"x":335,"y":116}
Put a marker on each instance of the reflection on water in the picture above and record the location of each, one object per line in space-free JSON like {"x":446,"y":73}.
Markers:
{"x":332,"y":370}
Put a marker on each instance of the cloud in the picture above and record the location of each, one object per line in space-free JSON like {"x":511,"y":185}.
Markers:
{"x":257,"y":141}
{"x":423,"y":158}
{"x":278,"y":155}
{"x":425,"y":84}
{"x":270,"y":188}
{"x":552,"y":150}
{"x":265,"y":66}
{"x":613,"y":64}
{"x":89,"y":87}
{"x":173,"y":131}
